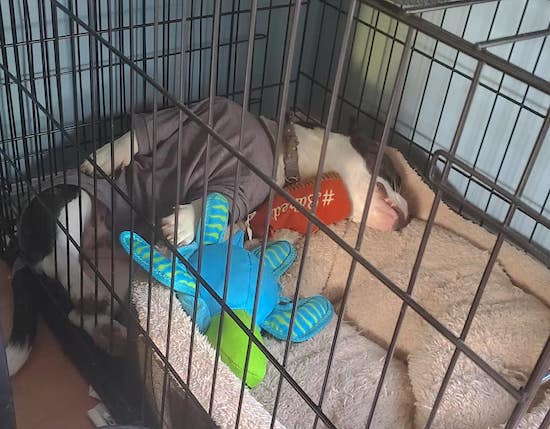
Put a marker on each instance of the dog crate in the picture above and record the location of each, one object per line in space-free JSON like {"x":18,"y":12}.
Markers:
{"x":460,"y":87}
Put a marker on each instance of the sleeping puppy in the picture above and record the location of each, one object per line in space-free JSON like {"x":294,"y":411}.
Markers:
{"x":352,"y":157}
{"x":93,"y":212}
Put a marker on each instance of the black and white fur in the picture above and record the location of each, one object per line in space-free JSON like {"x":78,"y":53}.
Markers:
{"x":25,"y":317}
{"x":47,"y":250}
{"x":25,"y":312}
{"x":351,"y":157}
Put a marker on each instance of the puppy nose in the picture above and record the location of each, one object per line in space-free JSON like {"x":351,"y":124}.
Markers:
{"x":401,"y":221}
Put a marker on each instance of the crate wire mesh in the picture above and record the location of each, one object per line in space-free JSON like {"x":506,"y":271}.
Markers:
{"x":75,"y":73}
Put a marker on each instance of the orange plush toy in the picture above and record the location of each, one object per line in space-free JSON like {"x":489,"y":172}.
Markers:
{"x":333,"y":205}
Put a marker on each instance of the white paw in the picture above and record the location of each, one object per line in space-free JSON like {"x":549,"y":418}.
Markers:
{"x":107,"y":334}
{"x":188,"y":218}
{"x":87,"y":321}
{"x":102,"y":159}
{"x":121,"y":156}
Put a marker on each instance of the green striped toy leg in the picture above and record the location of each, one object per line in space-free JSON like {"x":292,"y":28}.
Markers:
{"x":312,"y":315}
{"x":215,"y":219}
{"x":279,"y":255}
{"x":161,"y":269}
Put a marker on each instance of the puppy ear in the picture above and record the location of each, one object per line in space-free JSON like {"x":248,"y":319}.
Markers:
{"x":368,"y":148}
{"x":365,"y":145}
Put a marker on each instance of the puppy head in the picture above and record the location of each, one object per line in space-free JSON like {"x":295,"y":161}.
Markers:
{"x":388,"y":210}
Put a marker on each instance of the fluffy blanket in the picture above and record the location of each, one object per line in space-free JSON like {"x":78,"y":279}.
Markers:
{"x":353,"y":377}
{"x":509,"y":330}
{"x":350,"y":389}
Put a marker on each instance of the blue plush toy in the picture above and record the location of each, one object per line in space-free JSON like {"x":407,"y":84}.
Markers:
{"x":273,"y":310}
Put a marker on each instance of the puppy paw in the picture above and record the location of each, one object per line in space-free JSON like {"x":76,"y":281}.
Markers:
{"x":87,"y":168}
{"x":88,"y":299}
{"x":102,"y":160}
{"x":110,"y":336}
{"x":121,"y":155}
{"x":188,"y":219}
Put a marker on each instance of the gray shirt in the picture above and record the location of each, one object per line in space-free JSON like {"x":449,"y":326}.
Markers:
{"x":136,"y":181}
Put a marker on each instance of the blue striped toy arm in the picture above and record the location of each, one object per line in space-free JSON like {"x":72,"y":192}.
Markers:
{"x":161,"y":268}
{"x":279,"y":256}
{"x":215,"y":219}
{"x":311,"y":316}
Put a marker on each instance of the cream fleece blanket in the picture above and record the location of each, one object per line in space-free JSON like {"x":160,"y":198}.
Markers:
{"x":534,"y":418}
{"x":509,"y":330}
{"x":352,"y":382}
{"x":524,"y":270}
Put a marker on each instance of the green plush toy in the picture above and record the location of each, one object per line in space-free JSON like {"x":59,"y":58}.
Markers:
{"x":273,"y":311}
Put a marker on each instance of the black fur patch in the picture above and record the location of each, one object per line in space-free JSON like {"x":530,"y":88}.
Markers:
{"x":25,"y":314}
{"x":368,"y":148}
{"x":37,"y":226}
